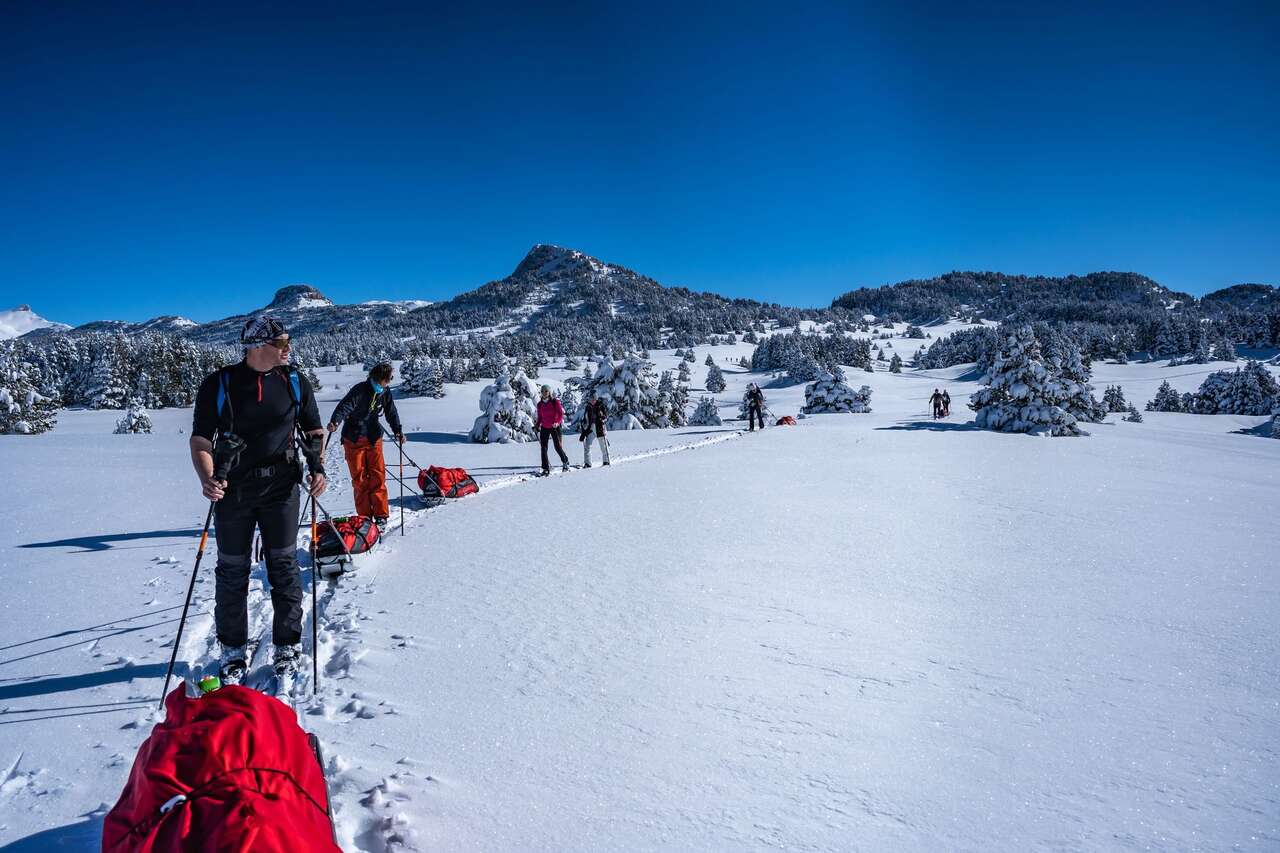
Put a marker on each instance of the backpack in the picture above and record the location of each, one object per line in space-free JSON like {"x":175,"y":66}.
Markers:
{"x":228,"y":771}
{"x":446,"y":482}
{"x":355,"y":534}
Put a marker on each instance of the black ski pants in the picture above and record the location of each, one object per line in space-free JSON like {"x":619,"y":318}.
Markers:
{"x":552,"y":433}
{"x":754,"y":412}
{"x":272,"y":507}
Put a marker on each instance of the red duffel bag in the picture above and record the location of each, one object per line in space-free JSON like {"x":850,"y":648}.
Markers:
{"x":355,"y":535}
{"x":446,"y":482}
{"x":229,"y":771}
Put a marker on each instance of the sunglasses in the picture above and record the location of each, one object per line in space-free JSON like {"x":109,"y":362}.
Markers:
{"x":281,"y":343}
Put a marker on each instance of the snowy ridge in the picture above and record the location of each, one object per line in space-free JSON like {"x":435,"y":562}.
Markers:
{"x":20,"y":320}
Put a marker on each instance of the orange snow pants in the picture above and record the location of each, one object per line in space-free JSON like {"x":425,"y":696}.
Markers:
{"x":368,"y":476}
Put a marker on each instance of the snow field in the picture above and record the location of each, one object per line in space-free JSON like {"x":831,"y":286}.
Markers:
{"x":867,"y":631}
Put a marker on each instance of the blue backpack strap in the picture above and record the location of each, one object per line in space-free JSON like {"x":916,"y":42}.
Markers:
{"x":295,"y":385}
{"x":224,"y":424}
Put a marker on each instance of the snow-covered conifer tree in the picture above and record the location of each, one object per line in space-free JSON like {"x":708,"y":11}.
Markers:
{"x":106,"y":388}
{"x":1113,"y":399}
{"x":690,"y":356}
{"x":678,"y":416}
{"x":629,"y":391}
{"x":23,"y":410}
{"x":706,"y":413}
{"x":682,"y":372}
{"x":1070,"y":386}
{"x":569,"y":399}
{"x":1020,"y":393}
{"x":134,"y":421}
{"x":413,"y":376}
{"x":1248,"y":391}
{"x":895,"y":364}
{"x":715,"y":379}
{"x":829,"y":394}
{"x":507,"y":412}
{"x":709,"y":362}
{"x":1166,"y":400}
{"x":1134,"y":415}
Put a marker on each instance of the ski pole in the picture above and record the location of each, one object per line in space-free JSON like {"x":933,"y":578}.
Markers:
{"x":315,"y":631}
{"x":173,"y":658}
{"x":400,"y":444}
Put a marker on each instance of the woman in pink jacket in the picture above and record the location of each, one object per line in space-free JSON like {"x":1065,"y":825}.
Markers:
{"x":550,"y":419}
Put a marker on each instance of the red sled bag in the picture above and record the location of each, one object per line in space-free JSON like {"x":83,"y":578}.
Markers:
{"x":446,"y":482}
{"x":786,"y":420}
{"x":228,"y":771}
{"x":355,"y":535}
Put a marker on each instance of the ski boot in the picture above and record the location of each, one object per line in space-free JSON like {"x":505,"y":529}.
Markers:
{"x":233,"y":664}
{"x":285,"y":661}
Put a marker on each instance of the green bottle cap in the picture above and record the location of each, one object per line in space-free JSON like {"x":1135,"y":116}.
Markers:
{"x":210,"y":683}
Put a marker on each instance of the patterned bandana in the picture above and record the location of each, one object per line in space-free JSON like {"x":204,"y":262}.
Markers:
{"x":261,"y":330}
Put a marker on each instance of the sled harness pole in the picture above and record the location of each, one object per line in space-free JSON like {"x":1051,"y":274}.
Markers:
{"x":173,"y":658}
{"x":315,"y":630}
{"x":420,"y":468}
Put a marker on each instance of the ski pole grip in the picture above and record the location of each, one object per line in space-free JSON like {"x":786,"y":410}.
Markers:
{"x":225,"y":455}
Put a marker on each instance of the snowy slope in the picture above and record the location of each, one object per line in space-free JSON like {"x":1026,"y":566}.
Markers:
{"x":866,"y":631}
{"x":20,"y":320}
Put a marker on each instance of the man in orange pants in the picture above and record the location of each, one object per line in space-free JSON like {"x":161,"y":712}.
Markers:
{"x":362,"y":439}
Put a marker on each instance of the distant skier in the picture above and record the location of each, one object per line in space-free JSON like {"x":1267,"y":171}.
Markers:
{"x":946,"y":403}
{"x":362,"y":439}
{"x":263,"y":401}
{"x":550,"y":419}
{"x":936,"y":400}
{"x":593,"y":419}
{"x":755,"y":406}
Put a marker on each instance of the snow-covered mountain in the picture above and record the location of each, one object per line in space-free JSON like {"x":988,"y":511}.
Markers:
{"x":21,"y":320}
{"x":553,"y":285}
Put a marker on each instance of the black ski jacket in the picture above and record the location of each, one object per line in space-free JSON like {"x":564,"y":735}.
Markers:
{"x":257,"y":407}
{"x":596,"y":414}
{"x":755,"y":399}
{"x":359,"y":410}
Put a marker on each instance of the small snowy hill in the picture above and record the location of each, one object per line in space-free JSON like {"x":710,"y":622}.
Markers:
{"x":305,"y":310}
{"x":298,"y":297}
{"x":20,"y":320}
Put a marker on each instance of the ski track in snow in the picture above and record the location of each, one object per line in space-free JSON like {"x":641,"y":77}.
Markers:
{"x":368,"y":817}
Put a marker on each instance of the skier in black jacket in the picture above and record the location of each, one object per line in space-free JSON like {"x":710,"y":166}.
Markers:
{"x":593,"y":420}
{"x":755,"y":406}
{"x":935,"y":399}
{"x":362,"y":439}
{"x":264,"y":402}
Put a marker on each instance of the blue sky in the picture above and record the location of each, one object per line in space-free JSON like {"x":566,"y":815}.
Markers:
{"x":192,"y":158}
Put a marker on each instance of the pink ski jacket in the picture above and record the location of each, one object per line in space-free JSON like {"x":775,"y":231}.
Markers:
{"x":550,"y":413}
